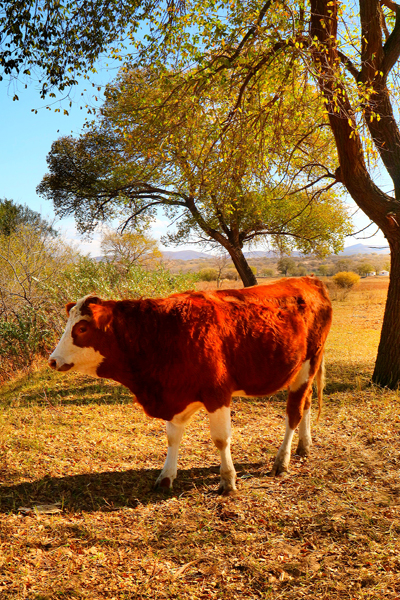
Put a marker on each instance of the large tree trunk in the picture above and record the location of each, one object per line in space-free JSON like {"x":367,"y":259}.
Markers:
{"x":229,"y":241}
{"x":382,"y":208}
{"x":387,"y":366}
{"x":242,"y":266}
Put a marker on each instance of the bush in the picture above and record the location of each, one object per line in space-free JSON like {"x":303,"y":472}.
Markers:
{"x":32,"y":325}
{"x":267,"y":272}
{"x":346,"y":279}
{"x":208,"y":275}
{"x":110,"y":280}
{"x":232,"y":275}
{"x":23,"y":337}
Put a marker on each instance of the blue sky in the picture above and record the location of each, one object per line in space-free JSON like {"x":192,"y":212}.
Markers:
{"x":27,"y":138}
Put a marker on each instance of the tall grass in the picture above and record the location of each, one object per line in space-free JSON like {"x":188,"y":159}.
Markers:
{"x":39,"y":275}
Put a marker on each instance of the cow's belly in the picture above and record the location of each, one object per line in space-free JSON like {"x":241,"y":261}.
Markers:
{"x":242,"y":394}
{"x":263,"y":375}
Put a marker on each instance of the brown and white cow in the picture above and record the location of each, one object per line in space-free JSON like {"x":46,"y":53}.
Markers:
{"x":198,"y":349}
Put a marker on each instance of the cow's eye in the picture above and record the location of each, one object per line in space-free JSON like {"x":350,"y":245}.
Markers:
{"x":82,"y":329}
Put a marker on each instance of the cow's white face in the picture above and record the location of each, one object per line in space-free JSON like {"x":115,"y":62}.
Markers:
{"x":71,"y":353}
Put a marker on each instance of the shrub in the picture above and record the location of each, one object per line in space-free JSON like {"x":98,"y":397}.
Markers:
{"x":208,"y":275}
{"x":109,"y":280}
{"x":267,"y":272}
{"x":346,"y":279}
{"x":232,"y":275}
{"x":23,"y":336}
{"x":32,"y":325}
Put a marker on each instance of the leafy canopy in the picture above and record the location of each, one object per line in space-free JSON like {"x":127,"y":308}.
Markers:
{"x":13,"y":215}
{"x":155,"y":146}
{"x":59,"y":40}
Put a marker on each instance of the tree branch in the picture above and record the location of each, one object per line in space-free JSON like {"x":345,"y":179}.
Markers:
{"x":392,"y":5}
{"x":350,"y":66}
{"x":391,"y":48}
{"x":251,"y":31}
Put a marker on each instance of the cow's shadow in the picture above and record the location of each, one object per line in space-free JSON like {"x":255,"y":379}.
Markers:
{"x":112,"y":490}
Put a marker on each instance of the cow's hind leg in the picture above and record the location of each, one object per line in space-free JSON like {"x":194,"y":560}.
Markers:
{"x":299,"y":397}
{"x":220,"y":428}
{"x":175,"y":429}
{"x":305,"y":441}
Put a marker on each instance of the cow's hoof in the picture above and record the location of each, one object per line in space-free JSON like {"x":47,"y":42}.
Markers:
{"x":278,"y":471}
{"x":164,"y":484}
{"x":226,"y":489}
{"x":302,"y":449}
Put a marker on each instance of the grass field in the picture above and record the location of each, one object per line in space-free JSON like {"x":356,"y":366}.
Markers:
{"x":329,"y":530}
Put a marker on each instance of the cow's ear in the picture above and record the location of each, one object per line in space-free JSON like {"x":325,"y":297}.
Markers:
{"x":102,"y":315}
{"x":86,"y":307}
{"x":69,"y":306}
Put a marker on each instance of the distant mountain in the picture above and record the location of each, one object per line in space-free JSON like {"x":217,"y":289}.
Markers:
{"x":186,"y":255}
{"x":265,"y":253}
{"x":349,"y":251}
{"x":193,"y":255}
{"x":259,"y":254}
{"x":362,"y":249}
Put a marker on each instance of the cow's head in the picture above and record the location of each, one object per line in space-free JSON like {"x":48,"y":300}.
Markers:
{"x":83,"y":346}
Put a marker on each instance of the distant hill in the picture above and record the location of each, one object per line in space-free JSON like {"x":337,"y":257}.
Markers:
{"x":193,"y":255}
{"x":349,"y":251}
{"x":363,"y":249}
{"x":266,"y":254}
{"x":186,"y":255}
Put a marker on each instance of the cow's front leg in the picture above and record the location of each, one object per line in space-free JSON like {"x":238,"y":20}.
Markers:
{"x":175,"y":429}
{"x":168,"y":474}
{"x":220,"y":428}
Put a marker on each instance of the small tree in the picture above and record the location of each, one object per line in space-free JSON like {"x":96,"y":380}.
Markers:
{"x":14,"y":215}
{"x":364,"y":269}
{"x":285,"y":264}
{"x":343,"y":264}
{"x":130,"y":249}
{"x":265,"y":272}
{"x":299,"y":271}
{"x":324,"y":270}
{"x":221,"y":262}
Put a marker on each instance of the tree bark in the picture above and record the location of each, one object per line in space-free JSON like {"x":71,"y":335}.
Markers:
{"x":241,"y":265}
{"x":387,"y":366}
{"x":231,"y":245}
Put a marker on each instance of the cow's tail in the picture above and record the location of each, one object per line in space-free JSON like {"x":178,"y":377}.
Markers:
{"x":320,"y":381}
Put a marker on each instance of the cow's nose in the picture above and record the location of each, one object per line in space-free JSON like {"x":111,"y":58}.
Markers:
{"x":53,"y":363}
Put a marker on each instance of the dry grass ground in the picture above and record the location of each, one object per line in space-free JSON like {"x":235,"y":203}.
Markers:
{"x":331,"y":530}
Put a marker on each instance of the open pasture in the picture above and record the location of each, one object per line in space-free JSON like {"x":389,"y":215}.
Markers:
{"x":329,"y":530}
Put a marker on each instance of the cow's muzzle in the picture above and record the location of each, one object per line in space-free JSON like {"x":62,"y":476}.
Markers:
{"x":64,"y":367}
